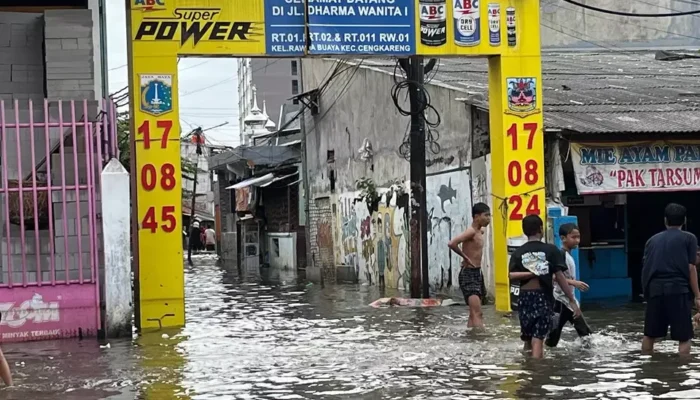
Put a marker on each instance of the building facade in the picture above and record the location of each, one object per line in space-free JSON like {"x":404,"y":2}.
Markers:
{"x":276,"y":81}
{"x":358,"y":202}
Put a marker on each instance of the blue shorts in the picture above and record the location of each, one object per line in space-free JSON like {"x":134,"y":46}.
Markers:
{"x":535,"y":313}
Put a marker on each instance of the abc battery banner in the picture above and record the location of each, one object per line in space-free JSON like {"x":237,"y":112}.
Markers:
{"x":277,"y":28}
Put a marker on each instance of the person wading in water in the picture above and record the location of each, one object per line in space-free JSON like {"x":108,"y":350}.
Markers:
{"x":470,"y":246}
{"x":534,"y":264}
{"x":670,"y":282}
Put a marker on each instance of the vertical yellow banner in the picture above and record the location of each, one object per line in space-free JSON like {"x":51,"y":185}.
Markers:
{"x":517,"y":143}
{"x":156,"y":185}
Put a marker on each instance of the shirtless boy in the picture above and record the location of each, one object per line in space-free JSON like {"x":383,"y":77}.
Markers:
{"x":471,"y":279}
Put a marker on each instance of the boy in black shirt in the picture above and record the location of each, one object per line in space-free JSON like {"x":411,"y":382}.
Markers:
{"x":534,"y":264}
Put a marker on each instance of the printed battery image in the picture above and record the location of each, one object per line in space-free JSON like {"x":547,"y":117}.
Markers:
{"x":467,"y":22}
{"x":494,"y":18}
{"x":510,"y":26}
{"x":433,"y":22}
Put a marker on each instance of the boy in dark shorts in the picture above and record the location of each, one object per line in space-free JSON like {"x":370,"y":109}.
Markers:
{"x":470,"y":246}
{"x":534,"y":264}
{"x":670,"y":281}
{"x":570,"y":238}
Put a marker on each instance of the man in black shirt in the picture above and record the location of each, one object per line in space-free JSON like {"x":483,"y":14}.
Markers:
{"x":669,"y":281}
{"x":534,"y":264}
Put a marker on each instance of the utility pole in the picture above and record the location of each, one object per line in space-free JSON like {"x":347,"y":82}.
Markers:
{"x":198,"y":137}
{"x":415,"y":73}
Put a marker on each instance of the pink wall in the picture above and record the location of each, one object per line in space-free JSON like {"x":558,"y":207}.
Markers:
{"x":47,"y":312}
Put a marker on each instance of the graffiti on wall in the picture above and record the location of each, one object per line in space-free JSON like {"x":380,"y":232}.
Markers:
{"x":481,"y":192}
{"x":375,"y":244}
{"x":449,"y":202}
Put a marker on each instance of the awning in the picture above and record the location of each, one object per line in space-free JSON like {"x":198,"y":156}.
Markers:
{"x":278,"y":178}
{"x":292,"y":143}
{"x":259,"y":181}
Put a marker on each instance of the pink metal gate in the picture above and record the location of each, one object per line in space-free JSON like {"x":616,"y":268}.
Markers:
{"x":50,"y":216}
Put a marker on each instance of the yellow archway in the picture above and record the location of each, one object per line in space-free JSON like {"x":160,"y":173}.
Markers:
{"x":505,"y":31}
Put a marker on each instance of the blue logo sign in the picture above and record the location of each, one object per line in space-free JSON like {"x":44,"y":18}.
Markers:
{"x":156,"y":94}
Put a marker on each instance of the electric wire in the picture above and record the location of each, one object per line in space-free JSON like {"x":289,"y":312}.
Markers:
{"x":402,"y":88}
{"x":624,"y":22}
{"x":630,"y":14}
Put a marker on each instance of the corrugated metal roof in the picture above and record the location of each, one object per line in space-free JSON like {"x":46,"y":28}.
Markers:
{"x":596,"y":92}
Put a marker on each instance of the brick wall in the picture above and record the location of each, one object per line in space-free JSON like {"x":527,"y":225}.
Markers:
{"x":69,"y":54}
{"x":320,"y":232}
{"x":21,"y":56}
{"x":281,"y":217}
{"x":282,"y":214}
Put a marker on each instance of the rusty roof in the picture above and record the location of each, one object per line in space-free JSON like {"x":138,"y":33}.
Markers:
{"x":595,"y":92}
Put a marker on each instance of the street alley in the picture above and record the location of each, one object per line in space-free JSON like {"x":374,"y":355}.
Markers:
{"x":266,"y":335}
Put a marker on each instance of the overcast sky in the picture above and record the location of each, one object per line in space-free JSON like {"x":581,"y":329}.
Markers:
{"x":208,"y":86}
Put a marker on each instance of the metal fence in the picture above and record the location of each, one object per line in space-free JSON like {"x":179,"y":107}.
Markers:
{"x":52,"y":155}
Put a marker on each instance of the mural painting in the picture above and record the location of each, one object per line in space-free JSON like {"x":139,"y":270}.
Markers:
{"x":375,"y":245}
{"x":449,"y":202}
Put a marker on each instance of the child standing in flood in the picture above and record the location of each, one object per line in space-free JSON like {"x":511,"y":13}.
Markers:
{"x":535,"y":264}
{"x":563,"y":310}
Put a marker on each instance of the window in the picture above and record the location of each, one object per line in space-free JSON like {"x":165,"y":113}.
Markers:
{"x":294,"y":68}
{"x":295,"y":101}
{"x":295,"y":86}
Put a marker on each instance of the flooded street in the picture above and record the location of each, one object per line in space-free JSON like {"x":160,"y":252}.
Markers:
{"x":253,"y":336}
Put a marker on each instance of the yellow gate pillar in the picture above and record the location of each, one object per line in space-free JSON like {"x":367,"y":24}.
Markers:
{"x":156,"y":180}
{"x":517,"y":145}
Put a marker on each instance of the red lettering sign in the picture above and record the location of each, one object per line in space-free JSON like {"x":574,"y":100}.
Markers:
{"x":145,"y":130}
{"x":167,"y":217}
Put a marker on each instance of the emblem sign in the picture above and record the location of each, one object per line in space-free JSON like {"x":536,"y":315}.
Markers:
{"x":522,"y":97}
{"x":156,"y":94}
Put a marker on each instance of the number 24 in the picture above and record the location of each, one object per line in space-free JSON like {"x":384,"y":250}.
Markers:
{"x":533,"y":207}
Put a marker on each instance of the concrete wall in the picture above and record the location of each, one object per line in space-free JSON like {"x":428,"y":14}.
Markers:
{"x":228,"y":246}
{"x":346,"y":118}
{"x":70,"y":68}
{"x":565,"y":25}
{"x":21,"y":56}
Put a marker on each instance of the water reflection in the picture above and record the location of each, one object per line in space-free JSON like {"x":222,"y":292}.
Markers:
{"x":161,"y":365}
{"x":267,"y":334}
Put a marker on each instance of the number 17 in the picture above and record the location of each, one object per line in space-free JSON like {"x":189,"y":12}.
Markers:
{"x":531,"y":127}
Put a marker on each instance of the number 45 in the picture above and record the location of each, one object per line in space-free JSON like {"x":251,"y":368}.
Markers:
{"x":167,"y":216}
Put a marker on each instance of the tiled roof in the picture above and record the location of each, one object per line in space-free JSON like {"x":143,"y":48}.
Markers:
{"x":596,"y":92}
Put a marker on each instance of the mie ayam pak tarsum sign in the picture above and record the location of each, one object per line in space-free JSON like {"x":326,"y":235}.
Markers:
{"x":636,"y":167}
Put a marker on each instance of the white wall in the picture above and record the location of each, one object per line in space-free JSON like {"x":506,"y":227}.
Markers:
{"x":449,"y":200}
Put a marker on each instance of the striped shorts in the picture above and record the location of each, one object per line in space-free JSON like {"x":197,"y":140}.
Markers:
{"x":471,"y":281}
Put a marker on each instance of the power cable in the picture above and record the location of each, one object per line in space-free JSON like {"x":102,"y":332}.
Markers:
{"x":620,"y":21}
{"x":629,"y":14}
{"x":432,"y":136}
{"x":580,"y":37}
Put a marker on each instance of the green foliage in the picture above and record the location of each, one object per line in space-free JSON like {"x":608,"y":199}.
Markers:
{"x":368,"y":193}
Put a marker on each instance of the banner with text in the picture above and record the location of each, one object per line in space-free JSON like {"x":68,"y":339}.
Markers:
{"x":278,"y":28}
{"x":636,"y":167}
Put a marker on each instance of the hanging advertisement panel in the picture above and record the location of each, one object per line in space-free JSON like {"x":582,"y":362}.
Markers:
{"x":636,"y":166}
